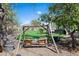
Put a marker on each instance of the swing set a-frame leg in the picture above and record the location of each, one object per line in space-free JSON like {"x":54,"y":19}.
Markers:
{"x":55,"y":45}
{"x":53,"y":39}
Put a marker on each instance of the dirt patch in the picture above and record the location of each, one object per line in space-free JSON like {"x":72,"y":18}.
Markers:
{"x":41,"y":52}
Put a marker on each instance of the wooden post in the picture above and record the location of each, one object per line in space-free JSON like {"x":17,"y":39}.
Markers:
{"x":18,"y":46}
{"x":50,"y":28}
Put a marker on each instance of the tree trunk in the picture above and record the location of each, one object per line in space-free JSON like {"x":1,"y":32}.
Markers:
{"x":73,"y":40}
{"x":48,"y":36}
{"x":72,"y":37}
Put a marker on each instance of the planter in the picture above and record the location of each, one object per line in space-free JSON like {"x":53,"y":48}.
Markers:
{"x":27,"y":42}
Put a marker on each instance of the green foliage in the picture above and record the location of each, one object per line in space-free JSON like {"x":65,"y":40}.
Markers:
{"x":41,"y":30}
{"x":35,"y":22}
{"x":9,"y":20}
{"x":66,"y":15}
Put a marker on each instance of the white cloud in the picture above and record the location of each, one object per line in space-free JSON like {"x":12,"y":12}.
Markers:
{"x":39,"y":12}
{"x":26,"y":23}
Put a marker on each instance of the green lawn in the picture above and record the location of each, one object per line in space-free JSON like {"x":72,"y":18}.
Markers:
{"x":32,"y":35}
{"x":36,"y":35}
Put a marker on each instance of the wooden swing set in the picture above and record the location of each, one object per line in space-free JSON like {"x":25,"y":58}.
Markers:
{"x":41,"y":41}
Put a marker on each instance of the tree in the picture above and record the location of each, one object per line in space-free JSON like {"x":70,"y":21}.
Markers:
{"x":47,"y":19}
{"x":7,"y":19}
{"x":35,"y":22}
{"x":66,"y":15}
{"x":10,"y":17}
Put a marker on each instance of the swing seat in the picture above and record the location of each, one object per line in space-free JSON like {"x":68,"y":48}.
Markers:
{"x":42,"y":42}
{"x":27,"y":42}
{"x":31,"y":43}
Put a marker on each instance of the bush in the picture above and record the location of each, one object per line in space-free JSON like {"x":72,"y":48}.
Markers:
{"x":41,"y":30}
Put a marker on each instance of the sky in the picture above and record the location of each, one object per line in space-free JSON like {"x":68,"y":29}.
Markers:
{"x":26,"y":12}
